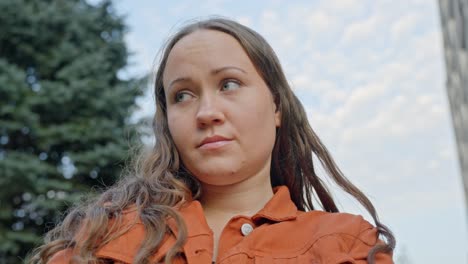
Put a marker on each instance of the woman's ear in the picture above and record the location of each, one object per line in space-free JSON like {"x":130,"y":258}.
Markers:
{"x":277,"y":112}
{"x":277,"y":117}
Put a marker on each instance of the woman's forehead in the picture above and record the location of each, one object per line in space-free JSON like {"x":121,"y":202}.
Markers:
{"x":206,"y":38}
{"x":207,"y":48}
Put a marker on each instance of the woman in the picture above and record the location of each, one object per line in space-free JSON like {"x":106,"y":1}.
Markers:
{"x":231,"y":176}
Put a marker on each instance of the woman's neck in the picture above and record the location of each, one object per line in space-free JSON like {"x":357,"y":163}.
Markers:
{"x":236,"y":201}
{"x":243,"y":198}
{"x":221,"y":203}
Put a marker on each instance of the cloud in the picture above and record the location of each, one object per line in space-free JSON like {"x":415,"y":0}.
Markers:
{"x":344,"y":4}
{"x":244,"y":20}
{"x":404,"y":25}
{"x":320,"y":21}
{"x":361,"y":30}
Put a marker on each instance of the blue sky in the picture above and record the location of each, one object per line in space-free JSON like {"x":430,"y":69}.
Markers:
{"x":371,"y":75}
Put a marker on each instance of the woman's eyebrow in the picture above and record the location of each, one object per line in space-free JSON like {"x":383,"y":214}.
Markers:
{"x":213,"y":72}
{"x":180,"y":79}
{"x":216,"y":71}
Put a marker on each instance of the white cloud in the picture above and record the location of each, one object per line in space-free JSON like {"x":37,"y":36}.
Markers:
{"x":342,"y":8}
{"x":320,"y":21}
{"x":447,"y":153}
{"x":404,"y":25}
{"x":361,"y":30}
{"x":269,"y":16}
{"x":301,"y":81}
{"x":344,"y":4}
{"x":141,"y":57}
{"x":244,"y":20}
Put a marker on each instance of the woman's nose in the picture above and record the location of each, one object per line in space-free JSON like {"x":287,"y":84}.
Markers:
{"x":209,"y":113}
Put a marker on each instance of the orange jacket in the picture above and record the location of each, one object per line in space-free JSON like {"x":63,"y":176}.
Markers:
{"x":278,"y":233}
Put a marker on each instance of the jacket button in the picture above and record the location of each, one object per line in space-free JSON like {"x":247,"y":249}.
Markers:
{"x":246,"y":229}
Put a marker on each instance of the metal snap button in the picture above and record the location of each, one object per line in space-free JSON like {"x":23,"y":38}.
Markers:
{"x":246,"y":229}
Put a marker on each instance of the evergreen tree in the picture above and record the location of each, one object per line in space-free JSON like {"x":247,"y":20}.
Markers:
{"x":64,"y":112}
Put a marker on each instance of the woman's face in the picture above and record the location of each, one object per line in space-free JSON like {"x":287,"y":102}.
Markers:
{"x":220,"y":112}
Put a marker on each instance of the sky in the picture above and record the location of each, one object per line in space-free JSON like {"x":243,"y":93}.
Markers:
{"x":371,"y":76}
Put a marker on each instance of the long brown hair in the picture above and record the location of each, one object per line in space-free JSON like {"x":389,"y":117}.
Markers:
{"x":158,"y":183}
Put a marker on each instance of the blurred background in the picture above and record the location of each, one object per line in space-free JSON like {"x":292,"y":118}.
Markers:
{"x":384,"y":83}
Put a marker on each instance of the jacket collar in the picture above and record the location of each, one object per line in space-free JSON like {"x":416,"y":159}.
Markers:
{"x":278,"y":209}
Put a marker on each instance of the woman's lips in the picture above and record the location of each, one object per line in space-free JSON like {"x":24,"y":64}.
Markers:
{"x":214,"y":145}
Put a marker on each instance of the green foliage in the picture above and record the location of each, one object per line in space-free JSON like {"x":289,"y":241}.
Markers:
{"x":64,"y":112}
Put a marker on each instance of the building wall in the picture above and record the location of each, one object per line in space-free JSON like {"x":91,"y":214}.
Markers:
{"x":454,"y":21}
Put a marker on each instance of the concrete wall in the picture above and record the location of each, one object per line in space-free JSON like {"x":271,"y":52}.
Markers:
{"x":454,"y":21}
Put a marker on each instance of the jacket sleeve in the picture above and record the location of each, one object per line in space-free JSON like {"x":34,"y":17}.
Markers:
{"x":364,"y":242}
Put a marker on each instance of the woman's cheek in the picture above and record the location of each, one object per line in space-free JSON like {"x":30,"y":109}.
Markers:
{"x":174,"y":129}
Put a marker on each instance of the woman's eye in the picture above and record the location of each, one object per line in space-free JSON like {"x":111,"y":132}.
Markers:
{"x":230,"y":85}
{"x":182,"y":96}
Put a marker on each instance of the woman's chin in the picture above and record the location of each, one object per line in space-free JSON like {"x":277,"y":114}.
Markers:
{"x":219,"y":177}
